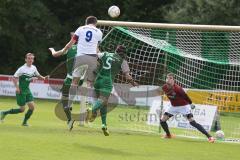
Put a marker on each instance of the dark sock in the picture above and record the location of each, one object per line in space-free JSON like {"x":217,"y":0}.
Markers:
{"x":27,"y":116}
{"x":200,"y":128}
{"x":65,"y":94}
{"x":64,"y":101}
{"x":103,"y":112}
{"x":12,"y":111}
{"x":81,"y":82}
{"x":68,"y":113}
{"x":165,"y":127}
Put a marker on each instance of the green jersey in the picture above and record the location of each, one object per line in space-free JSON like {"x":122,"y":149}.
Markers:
{"x":25,"y":75}
{"x":110,"y":66}
{"x":71,"y":53}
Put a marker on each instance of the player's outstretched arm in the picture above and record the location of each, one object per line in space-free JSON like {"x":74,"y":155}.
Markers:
{"x":42,"y":77}
{"x":130,"y":79}
{"x":69,"y":44}
{"x":56,"y":53}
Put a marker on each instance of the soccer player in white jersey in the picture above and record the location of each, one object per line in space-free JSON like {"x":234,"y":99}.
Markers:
{"x":87,"y":38}
{"x":24,"y":75}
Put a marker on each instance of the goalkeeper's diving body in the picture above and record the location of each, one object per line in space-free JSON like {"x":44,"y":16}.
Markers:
{"x":110,"y":66}
{"x":180,"y":103}
{"x":21,"y":79}
{"x":65,"y":100}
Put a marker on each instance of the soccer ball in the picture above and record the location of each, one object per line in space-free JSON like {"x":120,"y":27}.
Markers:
{"x":220,"y":134}
{"x":113,"y":11}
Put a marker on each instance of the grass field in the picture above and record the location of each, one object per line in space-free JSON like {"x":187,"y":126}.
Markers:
{"x":48,"y":138}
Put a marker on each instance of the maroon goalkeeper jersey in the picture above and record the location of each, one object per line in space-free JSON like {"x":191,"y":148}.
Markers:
{"x":176,"y":95}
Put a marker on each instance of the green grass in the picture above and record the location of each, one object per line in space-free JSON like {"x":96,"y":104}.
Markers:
{"x":48,"y":138}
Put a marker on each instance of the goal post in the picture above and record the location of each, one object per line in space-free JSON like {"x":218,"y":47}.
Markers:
{"x":204,"y":58}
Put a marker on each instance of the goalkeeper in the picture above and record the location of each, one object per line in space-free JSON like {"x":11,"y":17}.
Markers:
{"x":110,"y":66}
{"x":180,"y":103}
{"x":71,"y":53}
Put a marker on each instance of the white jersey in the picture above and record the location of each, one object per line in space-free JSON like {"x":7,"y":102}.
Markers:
{"x":25,"y":75}
{"x":88,"y":38}
{"x":27,"y":71}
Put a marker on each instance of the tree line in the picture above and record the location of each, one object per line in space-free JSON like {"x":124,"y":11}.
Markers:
{"x":35,"y":25}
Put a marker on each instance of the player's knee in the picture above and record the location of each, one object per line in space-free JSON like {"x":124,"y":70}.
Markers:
{"x":166,"y":116}
{"x":22,"y":109}
{"x":101,"y":101}
{"x":162,"y":120}
{"x":105,"y":103}
{"x":31,"y":107}
{"x":189,"y":117}
{"x":67,"y":108}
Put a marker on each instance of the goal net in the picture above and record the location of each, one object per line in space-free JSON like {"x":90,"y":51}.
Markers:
{"x":205,"y":60}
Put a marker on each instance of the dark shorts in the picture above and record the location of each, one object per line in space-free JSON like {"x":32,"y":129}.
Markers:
{"x":24,"y":98}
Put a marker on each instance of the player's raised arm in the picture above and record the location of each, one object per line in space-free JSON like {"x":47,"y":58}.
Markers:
{"x":62,"y":51}
{"x":56,"y":53}
{"x":70,"y":43}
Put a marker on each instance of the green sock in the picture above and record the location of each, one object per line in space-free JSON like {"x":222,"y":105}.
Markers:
{"x":103,"y":112}
{"x":64,"y":101}
{"x":65,"y":95}
{"x":12,"y":111}
{"x":68,"y":113}
{"x":27,"y":116}
{"x":97,"y":106}
{"x":80,"y":83}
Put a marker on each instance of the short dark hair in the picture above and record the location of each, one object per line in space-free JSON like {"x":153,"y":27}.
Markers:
{"x":120,"y":49}
{"x":91,"y":20}
{"x":170,"y":75}
{"x":29,"y":54}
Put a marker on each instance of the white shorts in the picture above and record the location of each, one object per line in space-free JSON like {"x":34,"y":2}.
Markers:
{"x":184,"y":110}
{"x":80,"y":71}
{"x":90,"y":61}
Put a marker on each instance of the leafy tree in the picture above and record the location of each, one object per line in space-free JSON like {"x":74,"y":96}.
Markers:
{"x":26,"y":26}
{"x":218,"y":12}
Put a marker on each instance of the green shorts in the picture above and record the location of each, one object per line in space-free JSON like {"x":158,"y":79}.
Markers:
{"x":24,"y":98}
{"x":103,"y":87}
